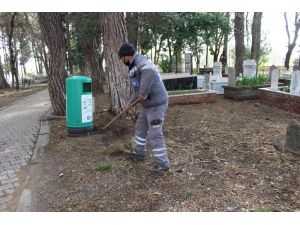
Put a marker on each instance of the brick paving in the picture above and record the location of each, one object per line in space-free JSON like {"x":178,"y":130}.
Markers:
{"x":19,"y":127}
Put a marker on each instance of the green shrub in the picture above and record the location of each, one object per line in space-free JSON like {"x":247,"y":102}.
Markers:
{"x":165,"y":66}
{"x":250,"y":82}
{"x":195,"y":71}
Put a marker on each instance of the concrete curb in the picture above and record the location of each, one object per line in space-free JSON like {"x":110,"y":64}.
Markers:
{"x":24,"y":204}
{"x":25,"y":201}
{"x":276,"y":109}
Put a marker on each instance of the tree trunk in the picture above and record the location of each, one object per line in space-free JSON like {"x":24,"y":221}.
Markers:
{"x":216,"y":53}
{"x":176,"y":61}
{"x":113,"y":25}
{"x":93,"y":64}
{"x":198,"y":63}
{"x":292,"y":45}
{"x":132,"y":26}
{"x":44,"y":58}
{"x":206,"y":57}
{"x":246,"y":27}
{"x":35,"y":56}
{"x":102,"y":70}
{"x":53,"y":33}
{"x":12,"y":53}
{"x":239,"y":42}
{"x":69,"y":61}
{"x":288,"y":56}
{"x":223,"y":58}
{"x":157,"y":52}
{"x":256,"y":34}
{"x":24,"y":69}
{"x":170,"y":55}
{"x":3,"y":81}
{"x":16,"y":64}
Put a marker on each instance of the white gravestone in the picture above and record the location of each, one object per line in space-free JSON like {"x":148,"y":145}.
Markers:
{"x":273,"y":68}
{"x":207,"y":81}
{"x":274,"y":79}
{"x":249,"y":68}
{"x":188,"y":63}
{"x":217,"y":70}
{"x":200,"y":81}
{"x":295,"y":83}
{"x":173,"y":64}
{"x":226,"y":70}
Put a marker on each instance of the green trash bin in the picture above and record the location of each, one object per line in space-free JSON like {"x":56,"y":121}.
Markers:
{"x":79,"y":102}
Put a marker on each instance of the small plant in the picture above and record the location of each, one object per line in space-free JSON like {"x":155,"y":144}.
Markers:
{"x":250,"y":82}
{"x":102,"y":166}
{"x":188,"y":195}
{"x":286,"y":89}
{"x":258,"y":209}
{"x":127,"y":168}
{"x":116,"y":150}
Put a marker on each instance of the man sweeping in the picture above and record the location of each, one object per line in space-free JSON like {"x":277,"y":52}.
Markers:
{"x":148,"y":86}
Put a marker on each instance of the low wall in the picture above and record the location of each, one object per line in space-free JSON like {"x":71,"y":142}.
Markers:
{"x":242,"y":93}
{"x":193,"y":98}
{"x":180,"y":82}
{"x":280,"y":100}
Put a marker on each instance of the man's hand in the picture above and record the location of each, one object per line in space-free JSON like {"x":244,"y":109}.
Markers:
{"x":140,"y":98}
{"x":143,"y":97}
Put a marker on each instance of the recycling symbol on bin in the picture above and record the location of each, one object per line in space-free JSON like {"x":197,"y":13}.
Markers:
{"x":88,"y":117}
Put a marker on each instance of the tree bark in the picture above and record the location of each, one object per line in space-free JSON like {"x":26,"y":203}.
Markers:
{"x":93,"y":64}
{"x":12,"y":52}
{"x":170,"y":54}
{"x":256,"y":36}
{"x":223,"y":58}
{"x":113,"y":25}
{"x":206,"y":56}
{"x":157,"y":51}
{"x":3,"y":81}
{"x":292,"y":45}
{"x":53,"y":33}
{"x":69,"y":61}
{"x":239,"y":42}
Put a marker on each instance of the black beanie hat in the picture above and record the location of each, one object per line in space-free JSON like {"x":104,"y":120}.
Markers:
{"x":126,"y":49}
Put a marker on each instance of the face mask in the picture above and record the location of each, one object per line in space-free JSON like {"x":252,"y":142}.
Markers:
{"x":127,"y":63}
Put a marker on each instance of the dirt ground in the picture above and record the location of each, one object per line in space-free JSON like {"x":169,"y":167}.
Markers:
{"x":8,"y":96}
{"x":222,"y":158}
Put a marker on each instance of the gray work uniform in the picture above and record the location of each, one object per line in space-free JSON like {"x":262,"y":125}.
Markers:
{"x":146,"y":81}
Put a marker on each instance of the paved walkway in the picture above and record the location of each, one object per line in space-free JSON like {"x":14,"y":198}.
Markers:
{"x":19,"y":126}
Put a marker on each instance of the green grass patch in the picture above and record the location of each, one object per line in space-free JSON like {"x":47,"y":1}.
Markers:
{"x":188,"y":195}
{"x":258,"y":209}
{"x":102,"y":166}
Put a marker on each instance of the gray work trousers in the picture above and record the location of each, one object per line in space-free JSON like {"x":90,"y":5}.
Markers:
{"x":149,"y":125}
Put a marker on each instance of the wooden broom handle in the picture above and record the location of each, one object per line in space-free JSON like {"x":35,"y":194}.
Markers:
{"x":121,"y":113}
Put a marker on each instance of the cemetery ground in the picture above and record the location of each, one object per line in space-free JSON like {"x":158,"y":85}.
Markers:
{"x":222,"y":159}
{"x":8,"y":96}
